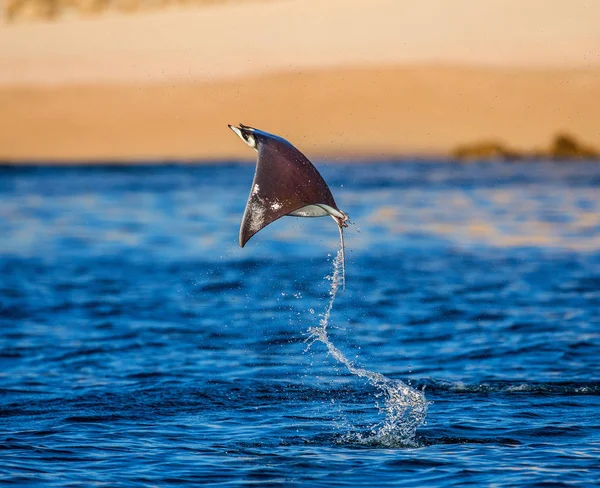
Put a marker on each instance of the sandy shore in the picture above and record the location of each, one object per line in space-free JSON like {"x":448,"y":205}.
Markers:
{"x":343,"y":78}
{"x":238,"y":39}
{"x":334,"y":113}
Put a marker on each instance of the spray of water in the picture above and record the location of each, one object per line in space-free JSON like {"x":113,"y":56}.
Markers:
{"x":404,"y":408}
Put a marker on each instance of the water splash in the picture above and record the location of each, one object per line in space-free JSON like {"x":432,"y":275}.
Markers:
{"x":404,"y":407}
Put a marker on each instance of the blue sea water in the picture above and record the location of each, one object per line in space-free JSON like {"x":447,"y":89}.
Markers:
{"x":140,"y":346}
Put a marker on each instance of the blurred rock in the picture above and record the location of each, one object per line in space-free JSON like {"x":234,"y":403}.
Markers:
{"x":565,"y":146}
{"x":484,"y":150}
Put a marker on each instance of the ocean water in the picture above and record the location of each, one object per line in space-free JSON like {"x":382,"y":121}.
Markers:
{"x":140,"y":346}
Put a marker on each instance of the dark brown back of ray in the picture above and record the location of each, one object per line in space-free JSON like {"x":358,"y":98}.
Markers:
{"x":285,"y":181}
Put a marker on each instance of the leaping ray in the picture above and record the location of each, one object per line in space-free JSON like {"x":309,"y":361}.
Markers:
{"x":285,"y":183}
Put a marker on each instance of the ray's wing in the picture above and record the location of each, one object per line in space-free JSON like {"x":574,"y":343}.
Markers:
{"x":284,"y":181}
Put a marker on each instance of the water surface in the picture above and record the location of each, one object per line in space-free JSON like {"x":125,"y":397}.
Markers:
{"x":139,"y":346}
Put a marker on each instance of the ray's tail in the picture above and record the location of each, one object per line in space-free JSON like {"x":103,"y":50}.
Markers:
{"x":342,"y":221}
{"x":343,"y":251}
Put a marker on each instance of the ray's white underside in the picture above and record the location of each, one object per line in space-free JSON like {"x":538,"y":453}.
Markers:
{"x":318,"y":210}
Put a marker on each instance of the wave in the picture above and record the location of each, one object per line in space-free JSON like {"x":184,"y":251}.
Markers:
{"x":511,"y":387}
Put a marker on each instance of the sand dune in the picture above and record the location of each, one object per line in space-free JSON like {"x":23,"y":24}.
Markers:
{"x":328,"y":113}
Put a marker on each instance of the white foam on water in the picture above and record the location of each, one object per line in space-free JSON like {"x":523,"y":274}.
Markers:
{"x":404,"y":407}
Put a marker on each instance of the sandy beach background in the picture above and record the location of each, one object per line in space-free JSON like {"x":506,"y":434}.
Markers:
{"x":341,"y":79}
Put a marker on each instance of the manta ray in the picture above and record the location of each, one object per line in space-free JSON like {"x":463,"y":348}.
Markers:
{"x":285,"y":183}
